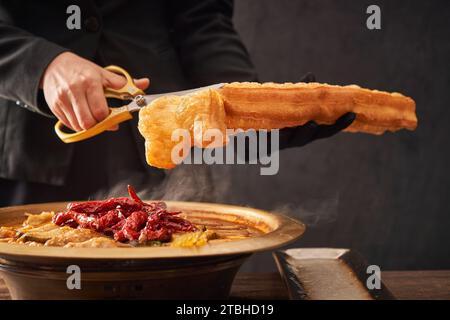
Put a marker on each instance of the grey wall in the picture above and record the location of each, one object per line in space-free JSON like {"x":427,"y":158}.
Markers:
{"x":384,"y":196}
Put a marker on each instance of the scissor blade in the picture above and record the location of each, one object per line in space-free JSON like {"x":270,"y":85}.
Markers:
{"x":133,"y":106}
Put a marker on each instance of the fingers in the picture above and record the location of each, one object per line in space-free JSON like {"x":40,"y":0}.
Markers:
{"x":342,"y":123}
{"x":63,"y":109}
{"x":142,"y":83}
{"x":112,"y":80}
{"x":345,"y":121}
{"x":71,"y":117}
{"x":81,"y":108}
{"x":298,"y":136}
{"x":57,"y":111}
{"x":74,"y":90}
{"x":97,"y":101}
{"x":115,"y":81}
{"x":302,"y":135}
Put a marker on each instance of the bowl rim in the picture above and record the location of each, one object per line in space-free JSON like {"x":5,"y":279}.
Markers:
{"x":285,"y":230}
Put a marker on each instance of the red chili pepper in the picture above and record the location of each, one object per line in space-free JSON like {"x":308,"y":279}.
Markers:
{"x":133,"y":194}
{"x":125,"y":219}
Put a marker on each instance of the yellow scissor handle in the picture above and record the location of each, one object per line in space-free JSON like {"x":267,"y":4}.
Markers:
{"x":116,"y":115}
{"x":128,"y":91}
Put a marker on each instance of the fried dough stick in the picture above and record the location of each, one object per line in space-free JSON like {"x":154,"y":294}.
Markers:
{"x":267,"y":106}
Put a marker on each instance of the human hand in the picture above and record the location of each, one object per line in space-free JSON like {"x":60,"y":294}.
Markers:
{"x":73,"y":89}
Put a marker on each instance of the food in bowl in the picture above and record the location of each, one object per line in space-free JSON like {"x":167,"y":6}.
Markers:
{"x":116,"y":222}
{"x":126,"y":222}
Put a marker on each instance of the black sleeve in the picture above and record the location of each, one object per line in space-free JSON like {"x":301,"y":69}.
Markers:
{"x":208,"y":45}
{"x":23,"y":59}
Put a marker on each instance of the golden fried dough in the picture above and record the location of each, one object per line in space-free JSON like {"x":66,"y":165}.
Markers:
{"x":276,"y":106}
{"x":268,"y":106}
{"x":195,"y":113}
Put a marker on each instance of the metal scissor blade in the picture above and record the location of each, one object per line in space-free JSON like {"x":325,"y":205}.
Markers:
{"x":134,"y":105}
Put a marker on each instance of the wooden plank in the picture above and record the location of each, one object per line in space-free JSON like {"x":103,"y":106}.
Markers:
{"x":407,"y":285}
{"x":263,"y":286}
{"x":423,"y":285}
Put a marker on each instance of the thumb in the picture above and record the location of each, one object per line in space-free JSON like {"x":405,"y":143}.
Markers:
{"x":142,"y":83}
{"x":116,"y":81}
{"x":112,"y":80}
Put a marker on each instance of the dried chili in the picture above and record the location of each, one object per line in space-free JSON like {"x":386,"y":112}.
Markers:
{"x":125,"y":219}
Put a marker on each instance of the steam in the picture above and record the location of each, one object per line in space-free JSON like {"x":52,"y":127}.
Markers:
{"x":209,"y":183}
{"x":312,"y":212}
{"x":200,"y":183}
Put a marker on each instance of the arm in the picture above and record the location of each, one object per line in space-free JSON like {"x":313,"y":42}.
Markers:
{"x":209,"y":47}
{"x":71,"y":86}
{"x":23,"y":59}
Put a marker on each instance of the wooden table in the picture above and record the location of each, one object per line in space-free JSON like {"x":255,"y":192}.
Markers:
{"x":269,"y":286}
{"x":403,"y":285}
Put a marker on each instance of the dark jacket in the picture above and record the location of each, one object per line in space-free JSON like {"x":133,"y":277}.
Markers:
{"x":178,"y":44}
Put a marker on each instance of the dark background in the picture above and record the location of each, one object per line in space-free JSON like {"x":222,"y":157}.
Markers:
{"x":385,"y":196}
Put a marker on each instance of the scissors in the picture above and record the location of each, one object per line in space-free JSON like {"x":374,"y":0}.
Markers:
{"x":120,"y":114}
